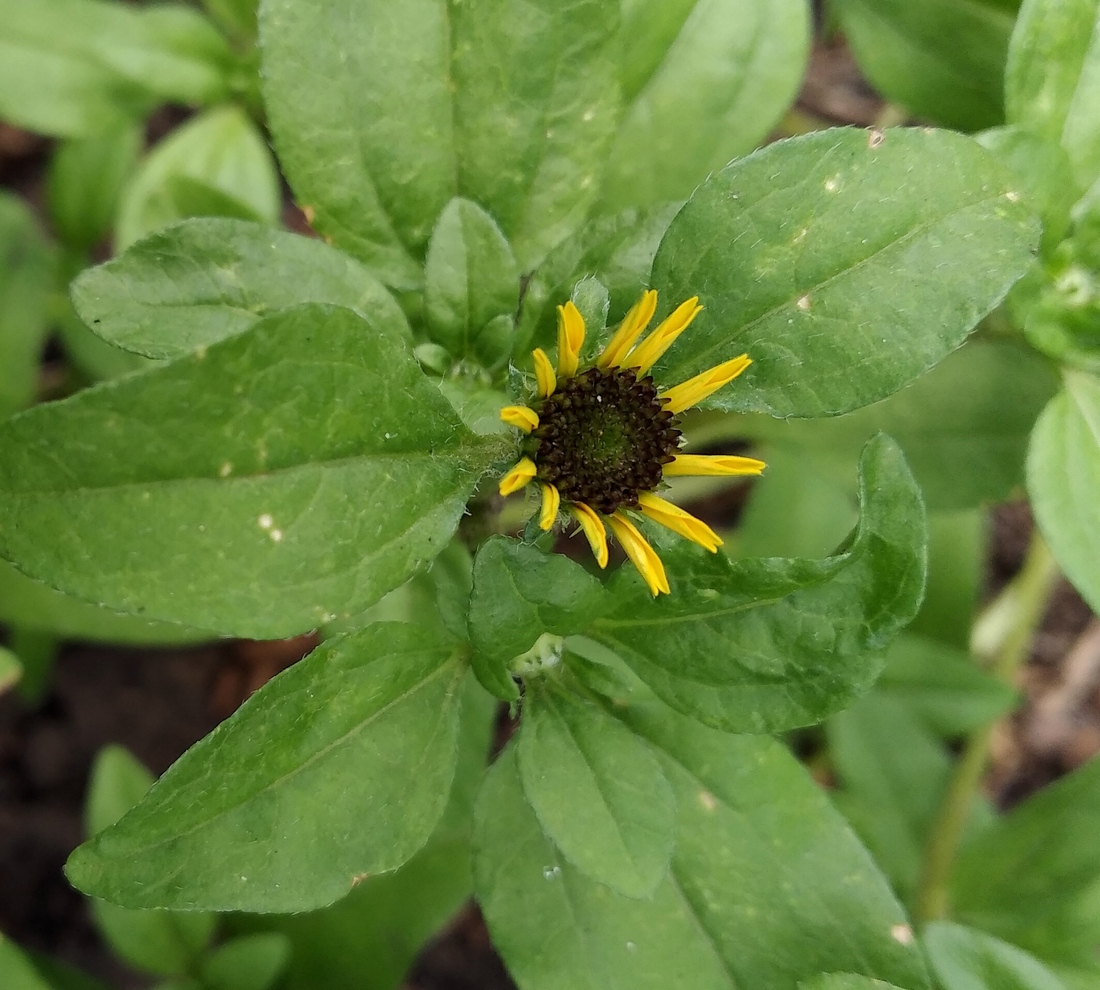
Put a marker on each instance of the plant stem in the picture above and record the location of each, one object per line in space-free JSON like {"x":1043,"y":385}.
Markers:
{"x":1002,"y":638}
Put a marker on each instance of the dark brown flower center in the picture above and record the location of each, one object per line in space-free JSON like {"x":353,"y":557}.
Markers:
{"x":603,"y":438}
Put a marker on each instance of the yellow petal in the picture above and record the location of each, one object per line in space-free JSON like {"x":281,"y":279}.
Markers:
{"x":520,"y":417}
{"x":594,"y":530}
{"x":696,"y":389}
{"x":649,"y":351}
{"x":673,"y":517}
{"x":711,"y":465}
{"x":570,"y":339}
{"x":544,"y":372}
{"x":515,"y":479}
{"x":641,"y":554}
{"x":551,"y":500}
{"x":629,"y":330}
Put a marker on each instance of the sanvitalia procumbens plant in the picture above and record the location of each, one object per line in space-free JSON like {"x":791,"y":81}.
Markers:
{"x":294,"y":463}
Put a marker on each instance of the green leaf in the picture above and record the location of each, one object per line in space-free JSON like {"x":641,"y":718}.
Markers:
{"x":892,"y":776}
{"x":163,"y":942}
{"x":705,"y":83}
{"x":216,"y":163}
{"x":369,"y":939}
{"x":16,"y":970}
{"x":617,"y":250}
{"x":337,"y":768}
{"x":207,"y":279}
{"x":509,"y":105}
{"x":26,"y":283}
{"x":249,"y":962}
{"x":871,"y":250}
{"x":770,"y":644}
{"x":943,"y":686}
{"x":1063,"y":477}
{"x":965,"y":959}
{"x":597,"y":790}
{"x":1034,"y":878}
{"x":558,"y":930}
{"x":957,"y":550}
{"x":767,"y":885}
{"x":1052,"y":81}
{"x":964,"y":426}
{"x":237,"y":17}
{"x":225,"y":491}
{"x":519,"y":594}
{"x":85,"y":182}
{"x":472,"y":284}
{"x":942,"y":60}
{"x":68,"y":68}
{"x":1045,"y":173}
{"x":794,"y":511}
{"x":36,"y":606}
{"x":11,"y":670}
{"x":844,"y":981}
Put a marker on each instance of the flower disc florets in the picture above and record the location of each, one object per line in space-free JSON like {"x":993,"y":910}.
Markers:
{"x":603,"y":438}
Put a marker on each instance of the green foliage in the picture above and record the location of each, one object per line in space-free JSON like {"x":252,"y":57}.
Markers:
{"x":17,"y":971}
{"x":840,"y":263}
{"x":519,"y":594}
{"x":703,"y":83}
{"x":235,"y":508}
{"x":509,"y":105}
{"x":1063,"y":479}
{"x":734,"y":859}
{"x":164,"y":942}
{"x":765,"y":645}
{"x":71,"y":68}
{"x":965,"y":959}
{"x":215,"y":165}
{"x":942,"y":59}
{"x":290,"y":432}
{"x":989,"y":393}
{"x":1034,"y":877}
{"x":203,"y":280}
{"x":85,"y":182}
{"x":471,"y":292}
{"x":26,"y":282}
{"x":233,"y":824}
{"x":11,"y":670}
{"x":597,"y":790}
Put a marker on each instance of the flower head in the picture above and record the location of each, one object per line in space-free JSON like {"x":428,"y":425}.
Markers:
{"x":602,"y":439}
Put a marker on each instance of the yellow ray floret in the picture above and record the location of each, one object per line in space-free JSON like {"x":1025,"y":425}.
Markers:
{"x":594,"y":530}
{"x":641,"y":554}
{"x":570,"y":339}
{"x":712,"y":465}
{"x":649,"y":351}
{"x":520,"y":417}
{"x":551,"y":501}
{"x":673,"y":517}
{"x":544,"y":373}
{"x":515,"y":479}
{"x":629,"y":331}
{"x":696,"y":389}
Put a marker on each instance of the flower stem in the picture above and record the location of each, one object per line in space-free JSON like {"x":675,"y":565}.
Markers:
{"x":1002,"y":639}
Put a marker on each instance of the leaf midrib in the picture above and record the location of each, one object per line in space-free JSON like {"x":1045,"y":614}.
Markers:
{"x":451,"y":661}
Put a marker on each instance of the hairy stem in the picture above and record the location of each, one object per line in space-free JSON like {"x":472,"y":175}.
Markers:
{"x":1002,"y":638}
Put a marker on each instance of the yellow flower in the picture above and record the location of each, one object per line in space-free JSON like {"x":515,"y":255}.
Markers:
{"x":601,"y":440}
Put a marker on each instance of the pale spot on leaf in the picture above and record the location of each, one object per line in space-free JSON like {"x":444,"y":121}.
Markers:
{"x":902,"y":934}
{"x":708,"y":800}
{"x":875,"y":137}
{"x":804,"y":303}
{"x":265,"y":521}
